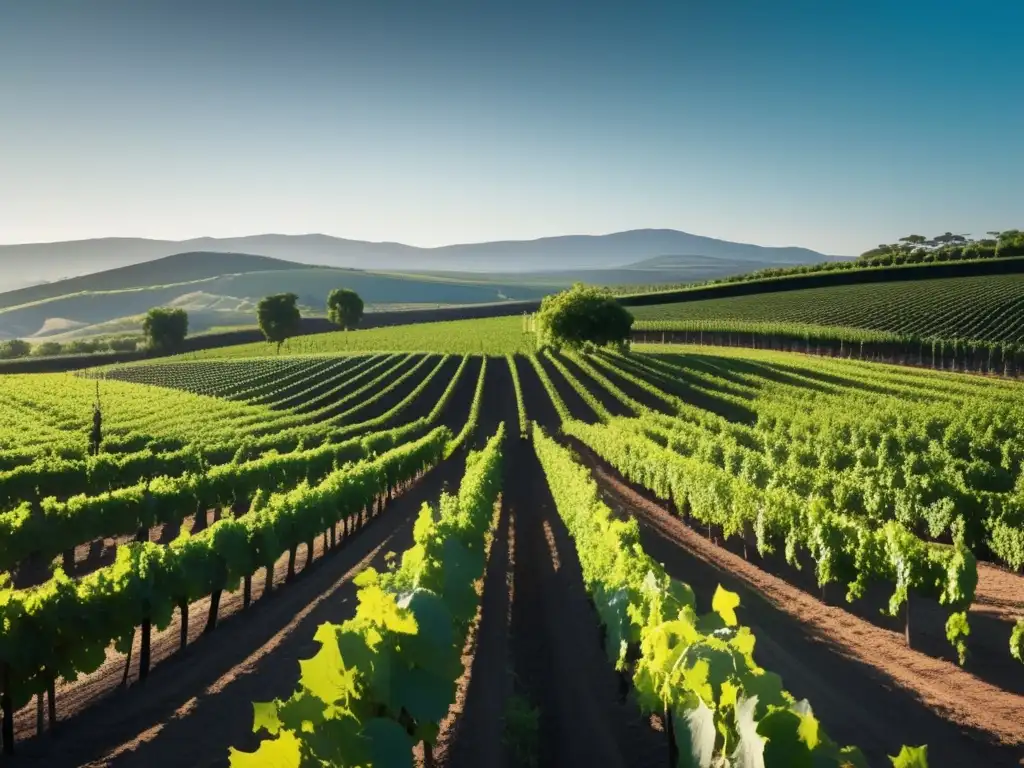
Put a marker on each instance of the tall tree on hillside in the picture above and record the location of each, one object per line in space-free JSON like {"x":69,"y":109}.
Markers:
{"x":279,"y":317}
{"x":345,"y":308}
{"x":165,"y":328}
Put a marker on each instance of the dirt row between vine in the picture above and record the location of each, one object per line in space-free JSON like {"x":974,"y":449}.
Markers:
{"x":558,"y":656}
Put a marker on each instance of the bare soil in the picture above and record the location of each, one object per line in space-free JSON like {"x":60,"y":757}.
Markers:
{"x":559,"y":663}
{"x":866,"y":686}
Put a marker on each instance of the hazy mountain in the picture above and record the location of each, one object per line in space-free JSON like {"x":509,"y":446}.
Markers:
{"x":37,"y":262}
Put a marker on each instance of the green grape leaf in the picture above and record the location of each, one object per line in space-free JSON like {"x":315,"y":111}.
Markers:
{"x":424,"y":696}
{"x":325,"y":675}
{"x":338,"y":741}
{"x":265,"y":715}
{"x":433,"y":645}
{"x":750,"y":747}
{"x":911,"y":757}
{"x":283,"y":752}
{"x":694,"y":728}
{"x":785,"y":747}
{"x":388,"y":744}
{"x":767,"y":689}
{"x":725,"y":603}
{"x":300,"y":711}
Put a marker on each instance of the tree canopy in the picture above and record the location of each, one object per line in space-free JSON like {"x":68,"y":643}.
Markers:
{"x":582,"y":315}
{"x":165,"y":328}
{"x":345,"y":308}
{"x":278,"y":317}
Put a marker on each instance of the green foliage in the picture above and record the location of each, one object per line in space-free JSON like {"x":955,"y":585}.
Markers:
{"x":344,"y":308}
{"x":165,"y":328}
{"x":278,"y":317}
{"x":520,"y":402}
{"x":582,"y":315}
{"x":383,"y":680}
{"x":1017,"y":641}
{"x":911,"y":757}
{"x":725,"y":709}
{"x":47,"y":349}
{"x":522,"y":730}
{"x":496,"y":336}
{"x":15,"y":348}
{"x":65,"y":626}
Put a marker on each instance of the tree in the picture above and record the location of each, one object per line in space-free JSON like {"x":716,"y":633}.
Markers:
{"x":123,"y":344}
{"x":165,"y":328}
{"x":582,"y":315}
{"x":9,"y":350}
{"x":47,"y":349}
{"x":279,"y":317}
{"x":914,"y":240}
{"x":345,"y":308}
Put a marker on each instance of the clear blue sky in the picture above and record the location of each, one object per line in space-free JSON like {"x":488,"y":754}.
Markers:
{"x":832,"y":125}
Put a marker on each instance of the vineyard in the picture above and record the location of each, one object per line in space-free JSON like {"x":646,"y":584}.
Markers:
{"x":435,"y":545}
{"x":974,"y":322}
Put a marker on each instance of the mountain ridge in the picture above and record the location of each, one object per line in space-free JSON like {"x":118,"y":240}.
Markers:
{"x":46,"y":262}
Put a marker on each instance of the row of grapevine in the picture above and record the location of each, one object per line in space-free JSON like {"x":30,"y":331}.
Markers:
{"x":55,"y":527}
{"x":940,"y":467}
{"x":988,"y":308}
{"x":63,"y":628}
{"x":1005,"y":358}
{"x":520,"y":402}
{"x":696,"y":671}
{"x":845,"y":548}
{"x":383,"y":681}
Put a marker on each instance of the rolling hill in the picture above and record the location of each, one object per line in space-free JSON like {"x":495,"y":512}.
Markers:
{"x":82,"y":307}
{"x":47,"y":262}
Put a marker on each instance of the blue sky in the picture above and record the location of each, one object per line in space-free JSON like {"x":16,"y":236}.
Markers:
{"x":832,"y":125}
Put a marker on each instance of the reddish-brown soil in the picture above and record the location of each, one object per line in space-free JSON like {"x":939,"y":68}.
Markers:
{"x":866,"y":686}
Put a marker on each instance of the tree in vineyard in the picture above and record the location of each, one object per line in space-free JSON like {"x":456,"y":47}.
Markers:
{"x":345,"y":308}
{"x":278,"y":317}
{"x":582,"y":315}
{"x":165,"y":328}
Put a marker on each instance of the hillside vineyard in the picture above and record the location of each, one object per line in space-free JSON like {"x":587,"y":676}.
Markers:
{"x":672,"y":555}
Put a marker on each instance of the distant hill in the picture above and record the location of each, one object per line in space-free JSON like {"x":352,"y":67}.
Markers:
{"x":57,"y":261}
{"x":179,"y":268}
{"x":90,"y":308}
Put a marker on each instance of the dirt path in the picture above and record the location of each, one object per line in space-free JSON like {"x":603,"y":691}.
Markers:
{"x":865,"y":685}
{"x":558,"y":661}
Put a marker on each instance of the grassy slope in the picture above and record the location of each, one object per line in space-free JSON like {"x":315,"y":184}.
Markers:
{"x":180,"y":268}
{"x":229,"y":299}
{"x":981,"y":308}
{"x":490,"y":336}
